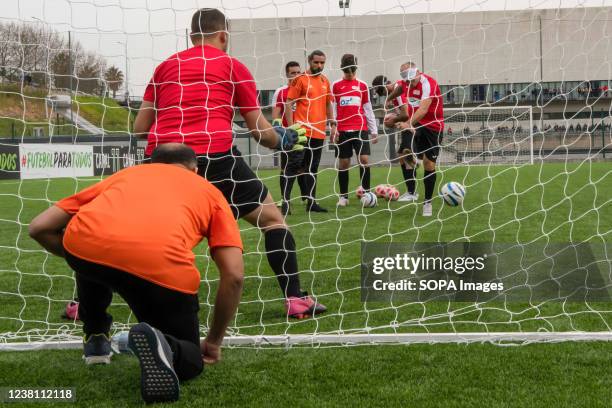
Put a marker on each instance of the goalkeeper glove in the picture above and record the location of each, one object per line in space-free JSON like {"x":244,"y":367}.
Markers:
{"x":290,"y":138}
{"x":277,"y":122}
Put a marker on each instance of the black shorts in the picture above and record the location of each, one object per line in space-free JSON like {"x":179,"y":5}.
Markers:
{"x":424,"y":142}
{"x":234,"y":178}
{"x":358,"y":140}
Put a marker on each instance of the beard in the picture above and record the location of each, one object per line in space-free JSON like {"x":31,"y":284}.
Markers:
{"x":316,"y":71}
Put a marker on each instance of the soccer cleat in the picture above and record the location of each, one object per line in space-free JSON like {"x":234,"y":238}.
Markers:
{"x":407,"y":197}
{"x":303,"y":307}
{"x":158,"y":381}
{"x":314,"y":207}
{"x":342,"y":202}
{"x":97,"y":349}
{"x":427,"y":209}
{"x":285,"y":208}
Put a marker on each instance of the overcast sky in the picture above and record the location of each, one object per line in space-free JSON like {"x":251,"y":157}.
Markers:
{"x":154,"y":29}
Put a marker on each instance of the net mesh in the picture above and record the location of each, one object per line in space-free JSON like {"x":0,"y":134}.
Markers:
{"x":527,"y":133}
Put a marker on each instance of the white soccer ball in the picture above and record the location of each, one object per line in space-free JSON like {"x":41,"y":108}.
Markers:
{"x":452,"y":193}
{"x":369,"y":199}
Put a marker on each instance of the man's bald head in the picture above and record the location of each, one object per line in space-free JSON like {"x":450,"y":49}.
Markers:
{"x":410,"y":72}
{"x":175,"y":153}
{"x":407,"y":65}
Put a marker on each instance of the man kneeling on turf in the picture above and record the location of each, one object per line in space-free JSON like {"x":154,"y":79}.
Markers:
{"x":133,"y":234}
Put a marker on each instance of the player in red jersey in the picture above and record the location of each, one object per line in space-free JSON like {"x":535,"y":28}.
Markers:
{"x":191,"y":99}
{"x":356,"y":125}
{"x":291,"y":162}
{"x":408,"y":163}
{"x":426,"y":123}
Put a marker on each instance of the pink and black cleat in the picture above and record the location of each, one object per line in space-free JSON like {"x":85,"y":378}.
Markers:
{"x":303,"y":307}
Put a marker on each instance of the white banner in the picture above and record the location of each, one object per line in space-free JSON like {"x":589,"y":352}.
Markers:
{"x":55,"y":160}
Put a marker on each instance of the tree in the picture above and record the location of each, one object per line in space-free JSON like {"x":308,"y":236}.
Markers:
{"x":9,"y":50}
{"x":60,"y":68}
{"x":38,"y":53}
{"x":114,"y":79}
{"x":89,"y":68}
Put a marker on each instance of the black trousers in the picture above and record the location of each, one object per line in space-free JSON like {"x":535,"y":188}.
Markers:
{"x":310,"y":163}
{"x":173,"y":313}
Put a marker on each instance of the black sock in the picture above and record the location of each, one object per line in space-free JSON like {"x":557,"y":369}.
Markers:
{"x":280,"y":250}
{"x":302,"y":183}
{"x":289,"y":180}
{"x":429,"y":181}
{"x":364,"y":174}
{"x":409,"y":179}
{"x":343,"y":180}
{"x":283,"y":185}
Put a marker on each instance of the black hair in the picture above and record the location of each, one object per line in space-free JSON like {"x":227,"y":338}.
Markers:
{"x":175,"y":153}
{"x":379,"y":85}
{"x":348,"y":63}
{"x":208,"y":21}
{"x":315,"y":53}
{"x":291,"y":64}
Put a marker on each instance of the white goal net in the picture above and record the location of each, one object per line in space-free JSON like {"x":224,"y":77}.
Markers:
{"x":527,"y":134}
{"x":488,"y":135}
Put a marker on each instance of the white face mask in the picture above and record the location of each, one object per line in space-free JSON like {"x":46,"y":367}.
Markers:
{"x":409,"y":74}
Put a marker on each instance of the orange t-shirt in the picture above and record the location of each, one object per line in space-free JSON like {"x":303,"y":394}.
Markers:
{"x":311,"y":93}
{"x":146,"y":219}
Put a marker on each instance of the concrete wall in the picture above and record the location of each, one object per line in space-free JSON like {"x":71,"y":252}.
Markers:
{"x":465,"y":48}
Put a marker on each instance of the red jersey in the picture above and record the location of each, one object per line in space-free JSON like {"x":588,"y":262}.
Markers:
{"x":426,"y":88}
{"x":350,"y":98}
{"x":279,"y":99}
{"x":195,"y":92}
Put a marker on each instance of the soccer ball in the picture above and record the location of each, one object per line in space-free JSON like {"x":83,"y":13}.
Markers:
{"x":360,"y":192}
{"x":392,"y":193}
{"x":380,"y":190}
{"x":452,"y":193}
{"x":369,"y":199}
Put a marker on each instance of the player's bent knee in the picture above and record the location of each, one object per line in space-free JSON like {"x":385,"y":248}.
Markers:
{"x":343,"y":164}
{"x":406,"y":164}
{"x":271,"y":219}
{"x":428,"y":164}
{"x":267,"y":216}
